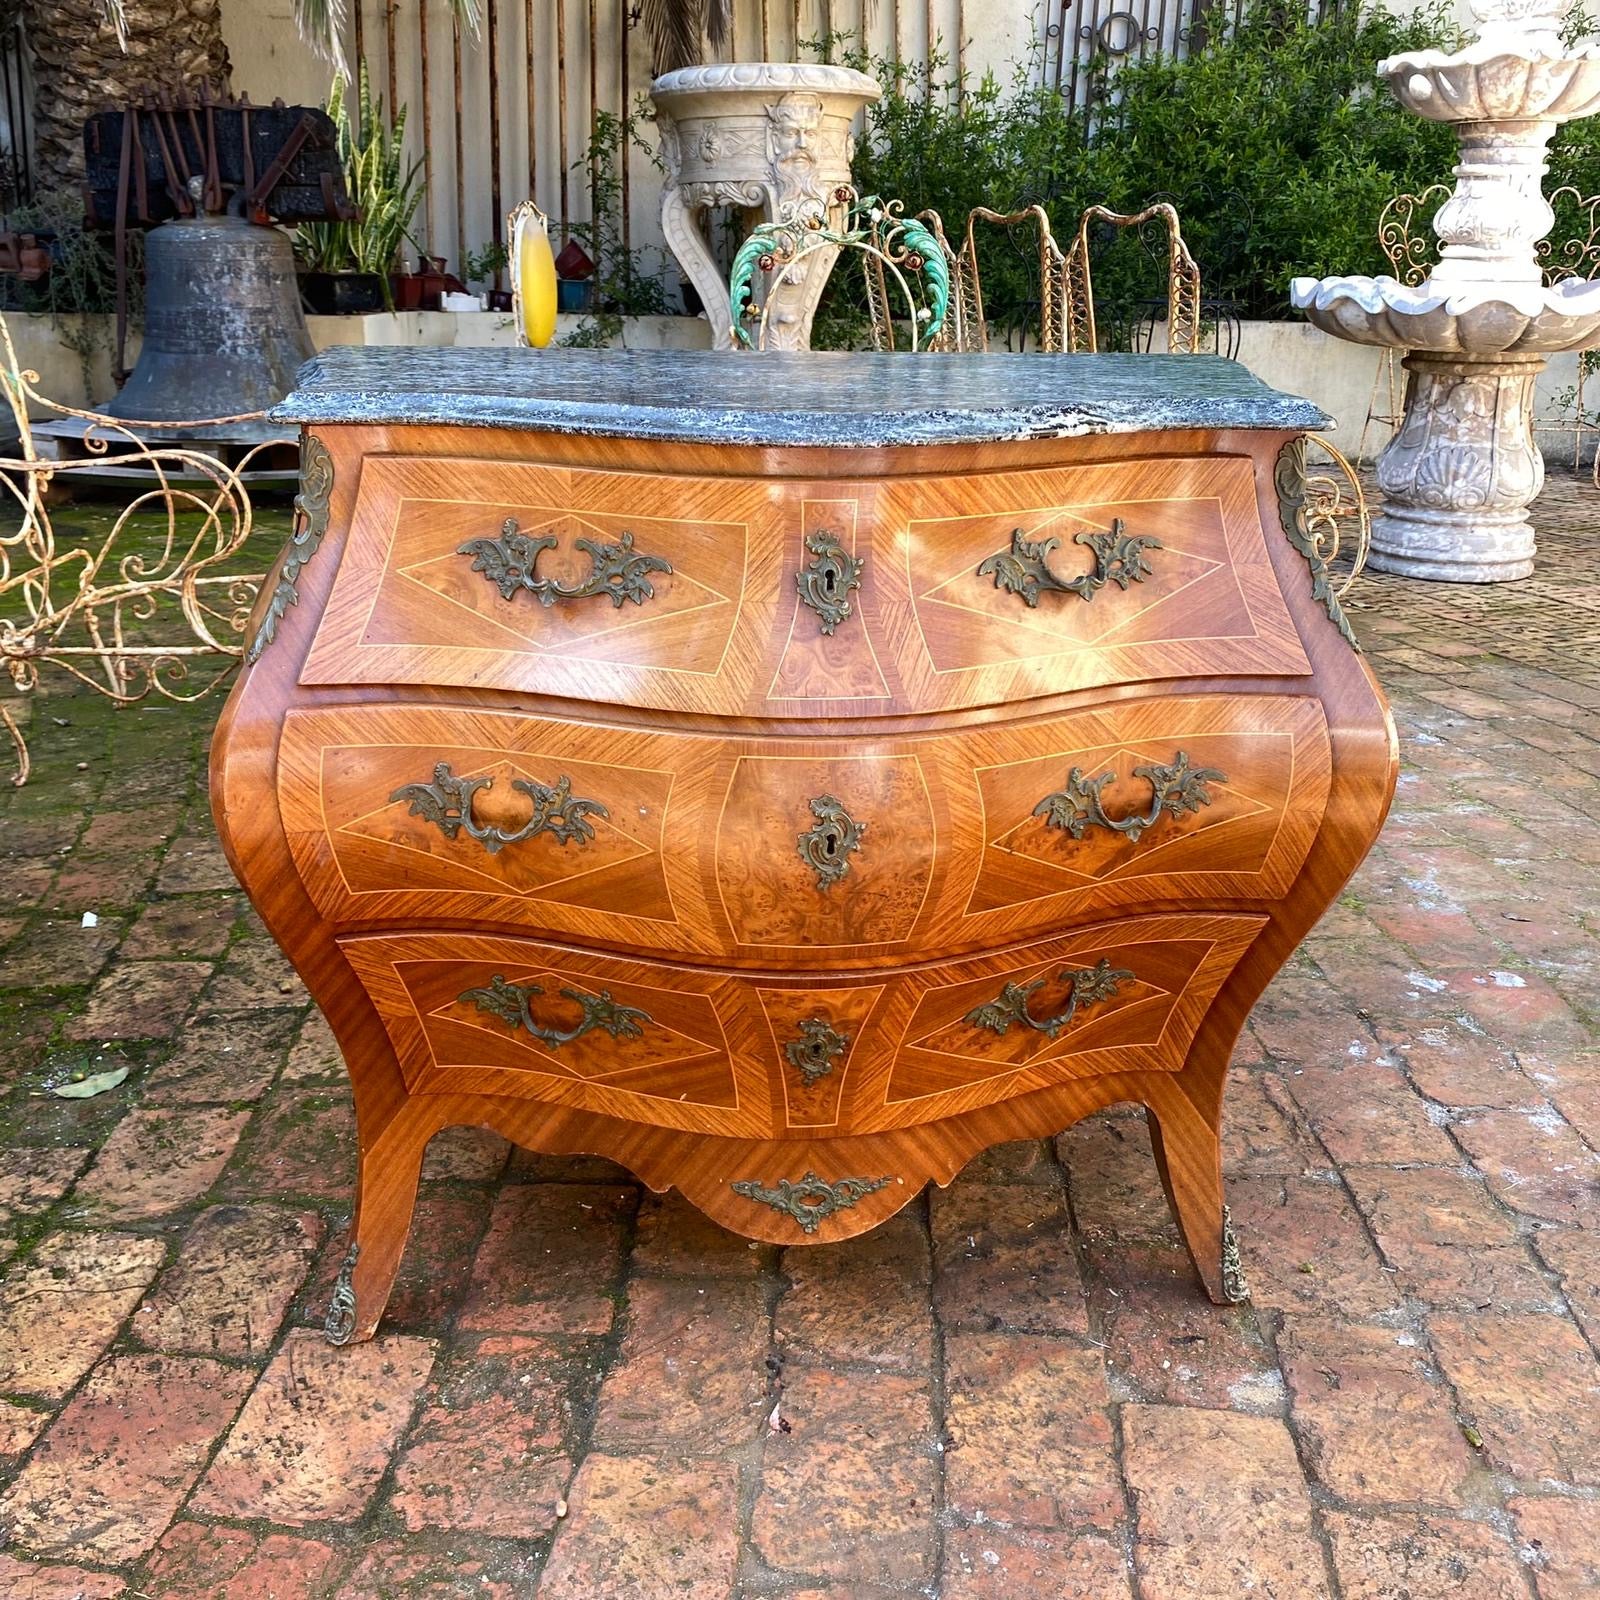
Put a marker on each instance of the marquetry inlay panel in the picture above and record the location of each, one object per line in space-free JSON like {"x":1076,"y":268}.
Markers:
{"x":696,"y":839}
{"x":409,"y":607}
{"x":728,"y":630}
{"x":712,"y":1055}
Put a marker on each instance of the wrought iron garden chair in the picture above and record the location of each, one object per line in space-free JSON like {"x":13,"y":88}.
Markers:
{"x":1404,"y":237}
{"x":1049,"y":268}
{"x":876,"y":264}
{"x":1578,"y":257}
{"x":1182,"y":278}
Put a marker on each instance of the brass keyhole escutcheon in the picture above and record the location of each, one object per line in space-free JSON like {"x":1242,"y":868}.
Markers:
{"x":818,"y":1045}
{"x":825,"y":583}
{"x":827,"y":845}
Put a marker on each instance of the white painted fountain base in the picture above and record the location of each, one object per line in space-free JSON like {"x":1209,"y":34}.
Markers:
{"x":1458,"y":477}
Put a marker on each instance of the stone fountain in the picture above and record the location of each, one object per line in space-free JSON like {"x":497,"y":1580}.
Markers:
{"x":1459,"y":475}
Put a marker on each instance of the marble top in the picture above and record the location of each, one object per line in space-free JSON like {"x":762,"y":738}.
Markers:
{"x":840,"y":398}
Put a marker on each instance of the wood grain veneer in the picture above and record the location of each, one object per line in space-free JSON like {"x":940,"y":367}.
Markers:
{"x":941,"y":712}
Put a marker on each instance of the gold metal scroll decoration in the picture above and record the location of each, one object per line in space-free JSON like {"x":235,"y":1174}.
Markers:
{"x":129,"y":622}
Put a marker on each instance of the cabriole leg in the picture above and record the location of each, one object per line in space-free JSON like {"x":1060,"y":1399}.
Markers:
{"x":1188,"y":1152}
{"x":386,"y":1196}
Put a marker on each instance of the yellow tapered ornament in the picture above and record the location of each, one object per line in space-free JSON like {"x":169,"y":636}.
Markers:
{"x":533,"y":275}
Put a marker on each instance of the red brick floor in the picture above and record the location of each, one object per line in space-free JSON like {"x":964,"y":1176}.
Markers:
{"x":1014,"y":1391}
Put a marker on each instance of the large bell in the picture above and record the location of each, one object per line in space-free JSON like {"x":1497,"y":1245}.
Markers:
{"x":223,"y":328}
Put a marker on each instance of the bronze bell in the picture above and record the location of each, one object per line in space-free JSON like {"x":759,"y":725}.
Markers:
{"x":223,"y":328}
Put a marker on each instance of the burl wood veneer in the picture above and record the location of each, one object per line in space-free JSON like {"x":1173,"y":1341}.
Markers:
{"x":789,"y":776}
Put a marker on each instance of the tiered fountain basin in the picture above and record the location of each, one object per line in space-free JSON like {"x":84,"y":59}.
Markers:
{"x":1486,"y":82}
{"x":1471,"y":320}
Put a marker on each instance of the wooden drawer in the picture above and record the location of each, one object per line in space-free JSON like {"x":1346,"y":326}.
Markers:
{"x":653,"y":840}
{"x":685,"y":593}
{"x":757,"y":1055}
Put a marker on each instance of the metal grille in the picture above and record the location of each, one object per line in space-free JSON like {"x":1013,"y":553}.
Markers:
{"x":1086,"y":40}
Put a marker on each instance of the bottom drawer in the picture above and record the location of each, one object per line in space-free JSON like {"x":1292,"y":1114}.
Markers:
{"x":752,"y":1055}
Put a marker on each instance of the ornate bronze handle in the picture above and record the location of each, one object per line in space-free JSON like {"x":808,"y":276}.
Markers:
{"x":1176,"y":788}
{"x":447,"y":804}
{"x":826,"y":583}
{"x":809,"y":1200}
{"x":816,"y":1049}
{"x":511,"y":1003}
{"x":1087,"y":986}
{"x":1024,"y":568}
{"x":510,"y":563}
{"x":826,"y":846}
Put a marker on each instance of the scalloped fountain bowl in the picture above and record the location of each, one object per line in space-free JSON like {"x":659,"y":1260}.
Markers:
{"x":1489,"y":83}
{"x":1481,"y":320}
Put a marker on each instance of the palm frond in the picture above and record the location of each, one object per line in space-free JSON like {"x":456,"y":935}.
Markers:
{"x":674,"y":28}
{"x":117,"y":20}
{"x":322,"y":24}
{"x":719,"y":21}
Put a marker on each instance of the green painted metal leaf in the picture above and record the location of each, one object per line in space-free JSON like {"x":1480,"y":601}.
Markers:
{"x":744,"y":267}
{"x":916,"y":236}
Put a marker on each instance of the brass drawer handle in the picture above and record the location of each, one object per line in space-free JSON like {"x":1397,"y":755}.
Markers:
{"x":511,"y":1003}
{"x":826,"y":583}
{"x":447,"y":804}
{"x":1087,"y":986}
{"x":808,"y":1200}
{"x":827,"y":845}
{"x":511,"y":563}
{"x":816,"y":1049}
{"x":1177,"y":788}
{"x":1024,"y":569}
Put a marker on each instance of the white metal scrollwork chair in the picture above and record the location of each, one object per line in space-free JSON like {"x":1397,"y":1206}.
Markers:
{"x":1404,"y":235}
{"x":1578,"y":257}
{"x":878,"y":261}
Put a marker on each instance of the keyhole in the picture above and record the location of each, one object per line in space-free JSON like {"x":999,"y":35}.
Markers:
{"x":830,"y":845}
{"x":830,"y":581}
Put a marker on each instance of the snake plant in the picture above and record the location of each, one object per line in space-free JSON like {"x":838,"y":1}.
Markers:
{"x":380,"y":184}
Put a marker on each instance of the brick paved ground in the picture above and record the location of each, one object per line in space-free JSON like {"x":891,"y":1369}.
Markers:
{"x":1012,"y":1391}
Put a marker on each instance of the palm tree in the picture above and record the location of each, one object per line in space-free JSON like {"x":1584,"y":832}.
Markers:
{"x":89,"y":55}
{"x":85,"y":60}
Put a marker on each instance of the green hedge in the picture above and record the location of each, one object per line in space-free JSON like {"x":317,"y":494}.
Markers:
{"x":1276,"y":141}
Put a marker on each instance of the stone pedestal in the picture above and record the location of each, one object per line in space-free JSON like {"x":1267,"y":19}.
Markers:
{"x":1459,"y":476}
{"x":770,"y":137}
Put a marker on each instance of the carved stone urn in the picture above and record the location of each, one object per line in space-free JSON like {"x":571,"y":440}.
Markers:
{"x":1459,"y":475}
{"x":771,"y":137}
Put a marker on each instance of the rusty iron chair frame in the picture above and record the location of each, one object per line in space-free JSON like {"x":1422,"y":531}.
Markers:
{"x":1404,"y":239}
{"x":1183,"y":279}
{"x":127,"y":623}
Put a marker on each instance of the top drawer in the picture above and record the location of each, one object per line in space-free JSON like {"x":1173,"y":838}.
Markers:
{"x":781,"y":597}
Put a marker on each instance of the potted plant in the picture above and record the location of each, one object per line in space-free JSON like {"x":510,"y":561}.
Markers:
{"x":348,"y":265}
{"x":484,"y":267}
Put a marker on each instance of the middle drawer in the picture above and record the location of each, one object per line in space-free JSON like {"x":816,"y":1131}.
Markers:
{"x":819,"y":852}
